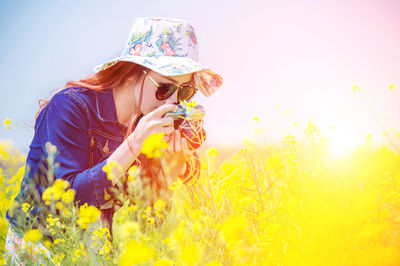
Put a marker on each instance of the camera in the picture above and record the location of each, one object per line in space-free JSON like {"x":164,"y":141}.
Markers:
{"x":189,"y":121}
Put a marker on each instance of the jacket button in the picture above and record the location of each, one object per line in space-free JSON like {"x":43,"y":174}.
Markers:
{"x":92,"y":142}
{"x":105,"y":148}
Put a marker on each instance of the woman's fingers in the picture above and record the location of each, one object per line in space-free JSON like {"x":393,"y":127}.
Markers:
{"x":154,"y":122}
{"x":171,"y":141}
{"x":167,"y":130}
{"x":163,"y":122}
{"x":184,"y":146}
{"x":177,"y":143}
{"x":162,"y":110}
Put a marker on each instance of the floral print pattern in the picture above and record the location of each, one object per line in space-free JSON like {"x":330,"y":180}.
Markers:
{"x":169,"y":47}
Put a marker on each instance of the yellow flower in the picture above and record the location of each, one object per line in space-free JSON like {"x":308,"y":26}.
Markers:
{"x":1,"y":177}
{"x":79,"y":252}
{"x":68,"y":196}
{"x":391,"y":86}
{"x":55,"y":192}
{"x":48,"y":195}
{"x":212,"y":152}
{"x":106,"y":248}
{"x":189,"y":105}
{"x":160,"y":204}
{"x":214,"y":263}
{"x":25,"y":207}
{"x":233,"y":230}
{"x":133,"y":172}
{"x":151,"y":220}
{"x":58,"y":240}
{"x":109,"y":168}
{"x":65,"y":212}
{"x":59,"y":186}
{"x":311,"y":130}
{"x":176,"y":185}
{"x":158,"y":207}
{"x":163,"y":262}
{"x":289,"y":139}
{"x":7,"y":123}
{"x":51,"y":220}
{"x":189,"y":253}
{"x":33,"y":235}
{"x":135,"y":253}
{"x":87,"y":215}
{"x":275,"y":163}
{"x":356,"y":88}
{"x":132,"y":209}
{"x":153,"y":144}
{"x":58,"y":258}
{"x":59,"y":206}
{"x":47,"y":244}
{"x":128,"y":229}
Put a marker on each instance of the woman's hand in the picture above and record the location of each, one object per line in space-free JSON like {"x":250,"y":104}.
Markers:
{"x":153,"y":122}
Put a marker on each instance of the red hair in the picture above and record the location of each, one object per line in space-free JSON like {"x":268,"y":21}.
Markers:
{"x":111,"y":77}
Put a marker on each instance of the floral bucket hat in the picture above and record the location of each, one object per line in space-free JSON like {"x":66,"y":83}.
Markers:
{"x":168,"y":47}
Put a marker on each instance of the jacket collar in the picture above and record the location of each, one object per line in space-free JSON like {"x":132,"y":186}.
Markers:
{"x":105,"y":106}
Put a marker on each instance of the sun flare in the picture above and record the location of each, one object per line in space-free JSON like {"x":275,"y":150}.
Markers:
{"x":342,"y":141}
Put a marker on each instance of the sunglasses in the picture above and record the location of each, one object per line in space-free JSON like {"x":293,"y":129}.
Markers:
{"x":166,"y":90}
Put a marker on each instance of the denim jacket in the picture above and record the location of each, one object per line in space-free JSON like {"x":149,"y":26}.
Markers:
{"x":83,"y":125}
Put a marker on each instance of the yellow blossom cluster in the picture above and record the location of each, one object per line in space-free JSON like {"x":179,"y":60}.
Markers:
{"x":57,"y":192}
{"x":87,"y":215}
{"x":110,"y":167}
{"x":101,"y":238}
{"x":33,"y":235}
{"x":7,"y":123}
{"x":57,"y":259}
{"x":189,"y":105}
{"x":153,"y":145}
{"x":147,"y":214}
{"x":136,"y":252}
{"x":26,"y":207}
{"x":268,"y":204}
{"x":159,"y":206}
{"x":79,"y":252}
{"x":11,"y":173}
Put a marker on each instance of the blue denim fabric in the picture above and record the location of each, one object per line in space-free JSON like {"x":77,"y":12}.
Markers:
{"x":83,"y":125}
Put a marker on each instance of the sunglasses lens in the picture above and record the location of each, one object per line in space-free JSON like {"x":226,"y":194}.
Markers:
{"x":165,"y":91}
{"x":186,"y":93}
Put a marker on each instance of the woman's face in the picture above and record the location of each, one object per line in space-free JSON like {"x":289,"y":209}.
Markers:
{"x":149,"y":100}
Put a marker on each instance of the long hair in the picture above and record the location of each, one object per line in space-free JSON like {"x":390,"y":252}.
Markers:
{"x":111,"y":77}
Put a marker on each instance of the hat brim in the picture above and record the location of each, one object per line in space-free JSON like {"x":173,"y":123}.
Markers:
{"x":205,"y":79}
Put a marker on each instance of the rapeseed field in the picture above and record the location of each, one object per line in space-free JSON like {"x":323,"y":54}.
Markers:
{"x":292,"y":202}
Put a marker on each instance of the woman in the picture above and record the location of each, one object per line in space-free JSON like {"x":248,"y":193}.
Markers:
{"x":107,"y":116}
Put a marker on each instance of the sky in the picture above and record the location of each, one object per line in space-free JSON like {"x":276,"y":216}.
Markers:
{"x":286,"y":62}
